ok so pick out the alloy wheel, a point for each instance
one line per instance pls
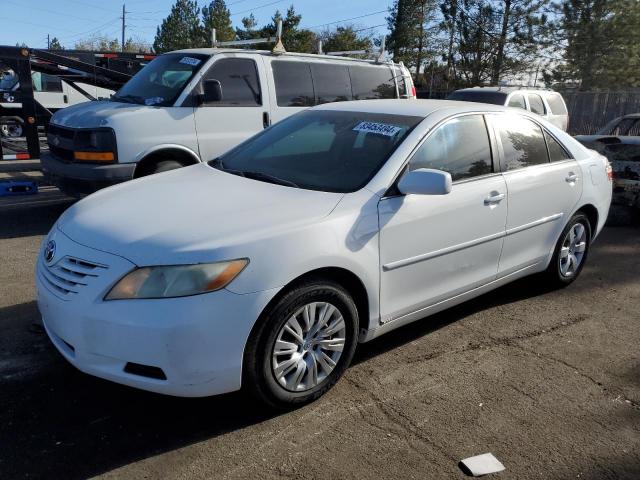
(308, 346)
(573, 249)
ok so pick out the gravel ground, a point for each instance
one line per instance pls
(548, 381)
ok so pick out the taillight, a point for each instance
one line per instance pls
(413, 91)
(609, 171)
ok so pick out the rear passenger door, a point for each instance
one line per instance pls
(243, 110)
(544, 184)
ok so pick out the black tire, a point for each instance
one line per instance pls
(553, 275)
(258, 376)
(165, 166)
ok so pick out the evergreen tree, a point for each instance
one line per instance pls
(217, 16)
(294, 38)
(181, 28)
(55, 44)
(250, 30)
(344, 38)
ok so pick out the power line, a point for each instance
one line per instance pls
(258, 7)
(348, 19)
(104, 25)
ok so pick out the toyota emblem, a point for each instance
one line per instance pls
(50, 251)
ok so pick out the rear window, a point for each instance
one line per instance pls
(479, 96)
(372, 82)
(556, 103)
(536, 104)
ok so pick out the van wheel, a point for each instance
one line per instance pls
(570, 253)
(11, 130)
(303, 344)
(165, 166)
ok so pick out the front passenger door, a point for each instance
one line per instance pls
(435, 247)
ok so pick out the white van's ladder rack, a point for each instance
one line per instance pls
(278, 48)
(379, 54)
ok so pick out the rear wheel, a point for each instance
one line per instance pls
(11, 130)
(571, 251)
(303, 345)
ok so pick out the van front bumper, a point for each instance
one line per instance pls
(188, 346)
(78, 179)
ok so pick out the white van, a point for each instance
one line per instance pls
(52, 92)
(546, 103)
(191, 106)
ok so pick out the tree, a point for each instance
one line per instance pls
(217, 16)
(414, 28)
(602, 44)
(344, 38)
(136, 45)
(250, 30)
(55, 44)
(98, 42)
(181, 28)
(294, 38)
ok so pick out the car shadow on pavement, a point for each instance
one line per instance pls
(30, 219)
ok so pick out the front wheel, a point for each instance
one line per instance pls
(303, 344)
(571, 252)
(165, 166)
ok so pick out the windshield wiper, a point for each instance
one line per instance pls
(265, 177)
(128, 99)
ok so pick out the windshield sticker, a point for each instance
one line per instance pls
(379, 128)
(153, 100)
(190, 61)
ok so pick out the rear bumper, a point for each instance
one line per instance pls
(79, 179)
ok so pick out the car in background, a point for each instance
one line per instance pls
(619, 141)
(190, 106)
(265, 267)
(548, 104)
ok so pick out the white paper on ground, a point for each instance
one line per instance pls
(482, 464)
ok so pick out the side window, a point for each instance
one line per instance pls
(556, 103)
(634, 129)
(536, 103)
(43, 82)
(460, 147)
(522, 142)
(556, 151)
(294, 86)
(331, 82)
(239, 80)
(371, 82)
(517, 101)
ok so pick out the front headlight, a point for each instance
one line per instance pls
(95, 145)
(177, 280)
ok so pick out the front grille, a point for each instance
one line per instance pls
(69, 275)
(62, 153)
(60, 140)
(63, 132)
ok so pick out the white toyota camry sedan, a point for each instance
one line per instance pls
(264, 268)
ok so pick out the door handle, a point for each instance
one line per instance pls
(572, 178)
(266, 121)
(493, 198)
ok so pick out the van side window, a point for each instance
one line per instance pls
(557, 152)
(43, 82)
(556, 103)
(372, 82)
(522, 142)
(536, 103)
(239, 80)
(517, 101)
(294, 86)
(331, 82)
(449, 148)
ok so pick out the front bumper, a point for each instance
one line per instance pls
(79, 179)
(198, 342)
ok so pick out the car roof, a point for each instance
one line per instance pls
(505, 89)
(416, 108)
(212, 51)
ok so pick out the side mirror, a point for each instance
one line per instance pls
(425, 181)
(211, 91)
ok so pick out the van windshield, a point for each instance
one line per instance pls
(161, 81)
(331, 151)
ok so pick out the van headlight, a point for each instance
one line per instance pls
(176, 280)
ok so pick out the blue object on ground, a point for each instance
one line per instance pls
(18, 188)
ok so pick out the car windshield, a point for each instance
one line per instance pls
(161, 81)
(332, 151)
(479, 96)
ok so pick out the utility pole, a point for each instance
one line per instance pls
(123, 26)
(48, 42)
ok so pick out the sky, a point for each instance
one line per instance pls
(29, 21)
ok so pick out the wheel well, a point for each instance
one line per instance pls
(592, 214)
(148, 163)
(345, 278)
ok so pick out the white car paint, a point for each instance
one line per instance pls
(414, 254)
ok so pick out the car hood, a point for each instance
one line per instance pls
(190, 215)
(93, 114)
